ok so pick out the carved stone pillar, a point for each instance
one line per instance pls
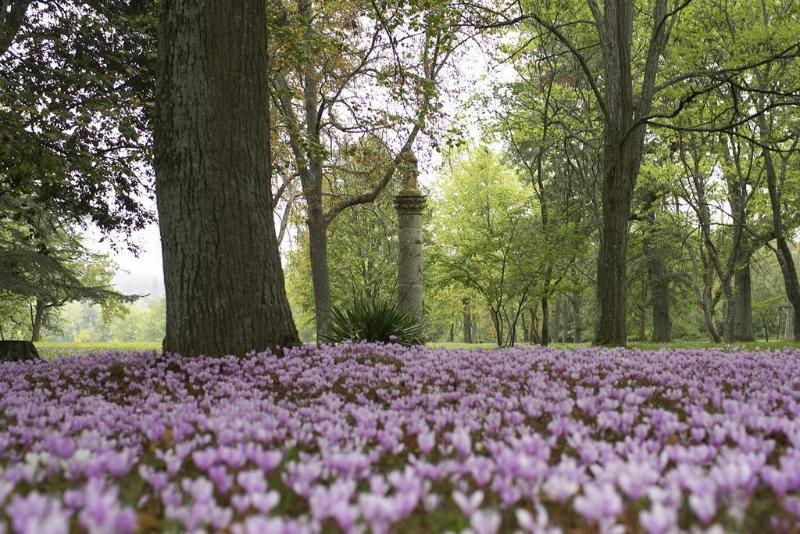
(410, 205)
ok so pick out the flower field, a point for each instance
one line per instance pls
(388, 439)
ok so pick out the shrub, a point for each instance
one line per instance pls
(374, 320)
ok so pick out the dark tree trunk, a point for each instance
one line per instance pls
(783, 253)
(623, 142)
(612, 256)
(467, 315)
(17, 351)
(38, 318)
(656, 275)
(743, 316)
(545, 338)
(556, 320)
(498, 326)
(642, 324)
(534, 326)
(223, 276)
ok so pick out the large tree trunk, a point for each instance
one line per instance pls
(223, 276)
(623, 141)
(612, 256)
(17, 351)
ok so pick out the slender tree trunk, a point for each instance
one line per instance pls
(782, 251)
(467, 321)
(545, 338)
(657, 275)
(576, 309)
(223, 276)
(642, 324)
(38, 317)
(320, 276)
(743, 317)
(557, 319)
(534, 336)
(498, 327)
(526, 336)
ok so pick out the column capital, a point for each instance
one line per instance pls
(408, 202)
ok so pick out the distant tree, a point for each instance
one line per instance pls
(345, 70)
(481, 227)
(223, 276)
(44, 270)
(362, 241)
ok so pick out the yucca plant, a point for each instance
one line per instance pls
(376, 320)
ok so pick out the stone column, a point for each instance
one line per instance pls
(410, 205)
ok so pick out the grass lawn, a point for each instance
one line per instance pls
(52, 349)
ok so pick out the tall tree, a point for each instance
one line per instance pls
(223, 276)
(779, 147)
(344, 70)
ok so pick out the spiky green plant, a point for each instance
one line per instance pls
(374, 320)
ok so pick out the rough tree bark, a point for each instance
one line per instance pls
(224, 281)
(18, 351)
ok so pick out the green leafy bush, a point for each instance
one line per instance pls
(374, 320)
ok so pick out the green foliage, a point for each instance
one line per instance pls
(370, 319)
(483, 240)
(83, 322)
(76, 84)
(362, 240)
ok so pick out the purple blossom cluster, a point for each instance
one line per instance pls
(380, 438)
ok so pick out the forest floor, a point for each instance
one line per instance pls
(403, 439)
